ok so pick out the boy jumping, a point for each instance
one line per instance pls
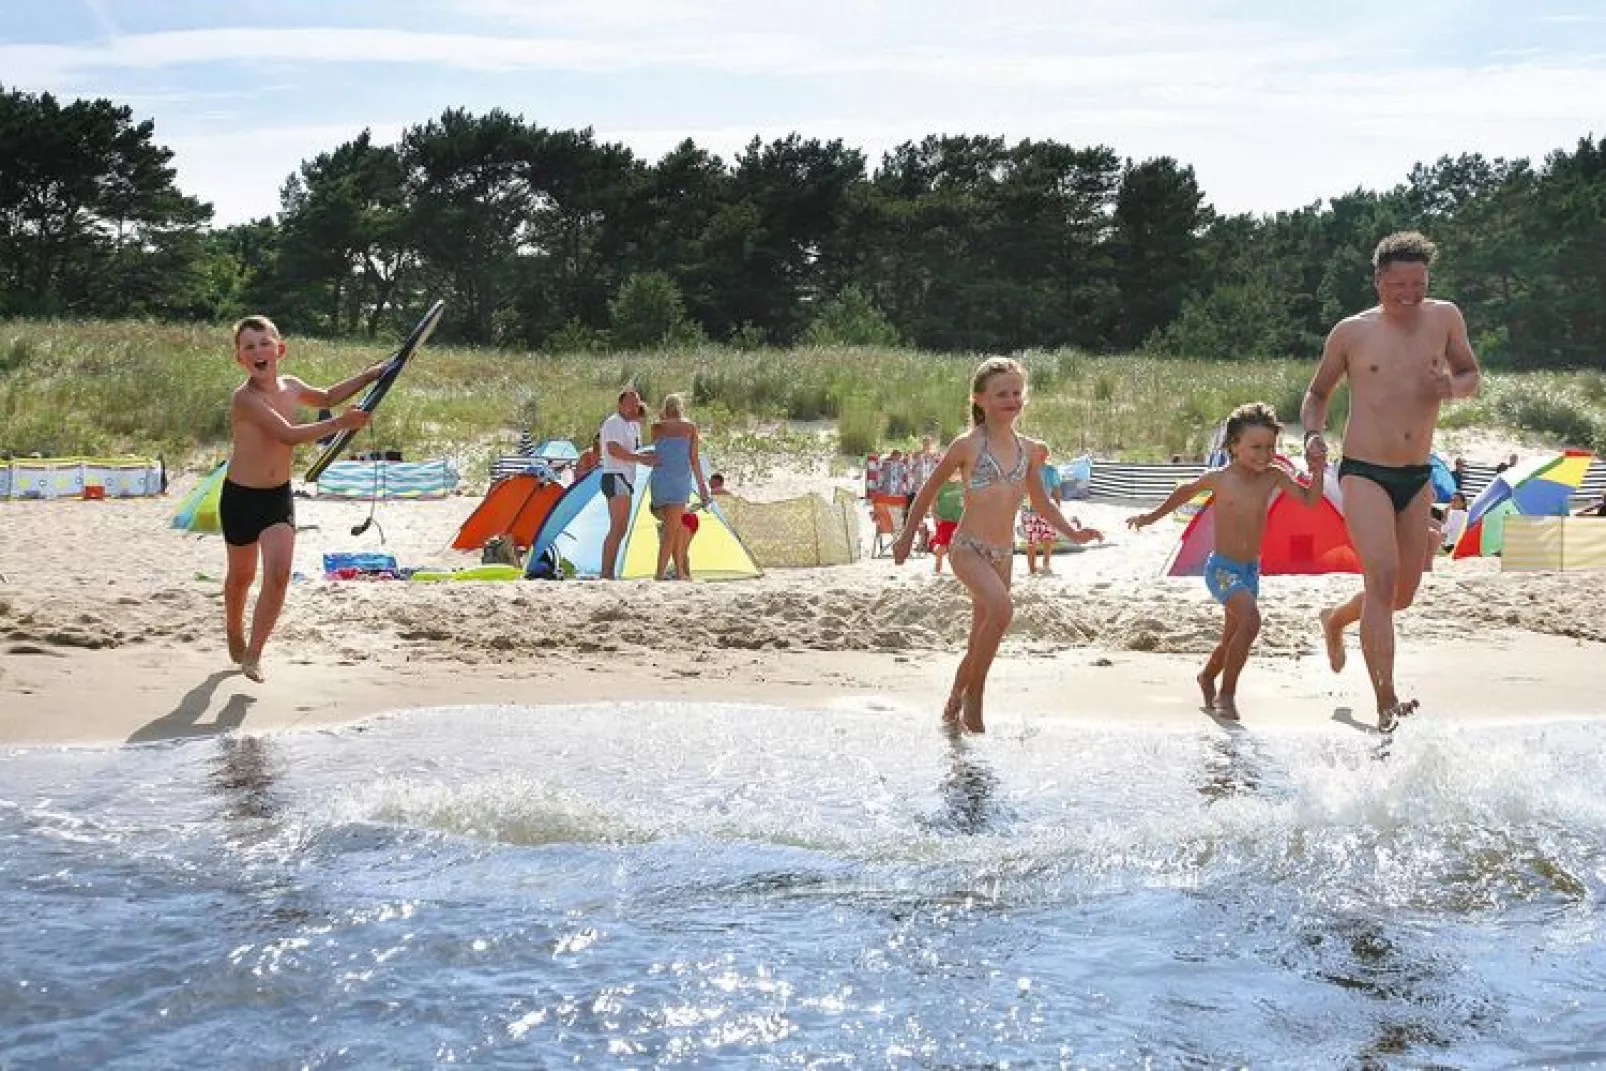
(1240, 492)
(255, 507)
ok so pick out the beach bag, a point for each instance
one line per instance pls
(500, 550)
(549, 566)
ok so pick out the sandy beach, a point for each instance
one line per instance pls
(111, 632)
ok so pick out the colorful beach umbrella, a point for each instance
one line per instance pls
(1539, 487)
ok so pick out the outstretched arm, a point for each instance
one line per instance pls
(328, 397)
(1183, 493)
(255, 410)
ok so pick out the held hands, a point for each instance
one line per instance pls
(1315, 451)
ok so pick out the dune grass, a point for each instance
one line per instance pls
(99, 388)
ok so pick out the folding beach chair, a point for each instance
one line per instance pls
(887, 511)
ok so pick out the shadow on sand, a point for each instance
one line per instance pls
(184, 721)
(1346, 716)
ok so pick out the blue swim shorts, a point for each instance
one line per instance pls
(1225, 577)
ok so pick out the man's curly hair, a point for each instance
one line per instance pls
(1404, 247)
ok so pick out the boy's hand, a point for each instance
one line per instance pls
(1088, 535)
(352, 419)
(1137, 522)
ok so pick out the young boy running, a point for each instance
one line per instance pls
(255, 507)
(1240, 492)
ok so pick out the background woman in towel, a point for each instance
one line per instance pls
(675, 440)
(1000, 468)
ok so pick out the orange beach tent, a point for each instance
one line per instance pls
(515, 506)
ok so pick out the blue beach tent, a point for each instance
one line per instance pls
(578, 523)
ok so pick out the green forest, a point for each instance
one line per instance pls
(549, 240)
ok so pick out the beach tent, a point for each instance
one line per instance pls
(555, 452)
(1075, 477)
(435, 478)
(1538, 487)
(794, 532)
(198, 511)
(578, 522)
(1553, 543)
(516, 506)
(1298, 540)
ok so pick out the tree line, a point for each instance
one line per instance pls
(551, 239)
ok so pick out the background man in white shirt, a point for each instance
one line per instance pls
(621, 453)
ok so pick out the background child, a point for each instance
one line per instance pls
(255, 507)
(949, 508)
(1240, 492)
(999, 468)
(1038, 533)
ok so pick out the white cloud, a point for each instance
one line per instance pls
(1272, 112)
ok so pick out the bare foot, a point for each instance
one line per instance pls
(1389, 717)
(236, 648)
(972, 716)
(1207, 688)
(252, 668)
(1335, 641)
(1226, 707)
(950, 709)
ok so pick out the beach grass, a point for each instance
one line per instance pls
(147, 388)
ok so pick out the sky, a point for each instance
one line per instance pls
(1275, 104)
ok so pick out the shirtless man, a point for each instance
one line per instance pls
(1403, 358)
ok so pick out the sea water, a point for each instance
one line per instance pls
(676, 884)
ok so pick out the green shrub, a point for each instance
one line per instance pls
(850, 319)
(576, 337)
(1558, 415)
(648, 312)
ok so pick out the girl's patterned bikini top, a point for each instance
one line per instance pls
(988, 472)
